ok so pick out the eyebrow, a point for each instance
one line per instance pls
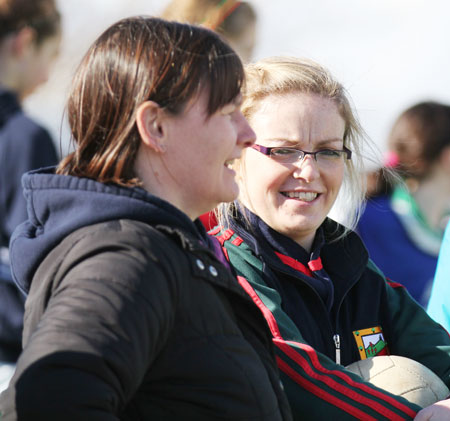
(296, 142)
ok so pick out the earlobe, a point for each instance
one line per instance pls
(23, 41)
(445, 158)
(148, 120)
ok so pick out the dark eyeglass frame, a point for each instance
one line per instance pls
(267, 151)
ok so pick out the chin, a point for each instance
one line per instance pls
(300, 224)
(230, 193)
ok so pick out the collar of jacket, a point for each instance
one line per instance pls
(59, 205)
(9, 105)
(344, 260)
(204, 262)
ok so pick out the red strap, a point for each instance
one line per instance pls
(394, 284)
(225, 252)
(225, 236)
(295, 264)
(315, 264)
(237, 241)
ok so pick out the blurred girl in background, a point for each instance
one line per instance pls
(403, 223)
(30, 33)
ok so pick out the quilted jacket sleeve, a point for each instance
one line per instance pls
(108, 309)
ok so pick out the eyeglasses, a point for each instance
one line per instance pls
(324, 157)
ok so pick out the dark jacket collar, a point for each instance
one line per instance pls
(9, 105)
(58, 205)
(344, 260)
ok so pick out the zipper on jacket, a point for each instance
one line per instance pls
(336, 337)
(337, 344)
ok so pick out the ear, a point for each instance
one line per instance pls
(149, 117)
(23, 40)
(444, 159)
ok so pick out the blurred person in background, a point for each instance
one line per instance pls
(439, 303)
(234, 20)
(326, 302)
(131, 313)
(403, 223)
(30, 35)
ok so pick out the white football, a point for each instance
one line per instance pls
(402, 376)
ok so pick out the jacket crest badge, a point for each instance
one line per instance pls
(370, 342)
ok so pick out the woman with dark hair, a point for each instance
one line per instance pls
(130, 313)
(30, 33)
(403, 223)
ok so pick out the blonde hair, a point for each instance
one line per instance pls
(282, 75)
(231, 19)
(228, 17)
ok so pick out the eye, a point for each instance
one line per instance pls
(284, 152)
(329, 153)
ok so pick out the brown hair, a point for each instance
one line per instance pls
(41, 15)
(135, 60)
(430, 122)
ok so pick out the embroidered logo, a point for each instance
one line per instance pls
(371, 342)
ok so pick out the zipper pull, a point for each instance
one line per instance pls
(337, 344)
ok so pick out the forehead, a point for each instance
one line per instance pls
(404, 130)
(297, 117)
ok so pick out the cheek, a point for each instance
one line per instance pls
(334, 181)
(273, 178)
(263, 180)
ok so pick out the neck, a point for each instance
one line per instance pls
(8, 80)
(433, 197)
(159, 182)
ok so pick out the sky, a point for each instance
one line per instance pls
(389, 54)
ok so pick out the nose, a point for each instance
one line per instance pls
(306, 168)
(246, 135)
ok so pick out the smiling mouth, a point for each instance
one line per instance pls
(229, 163)
(303, 196)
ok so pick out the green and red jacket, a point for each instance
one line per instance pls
(371, 316)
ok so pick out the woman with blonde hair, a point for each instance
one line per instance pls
(326, 303)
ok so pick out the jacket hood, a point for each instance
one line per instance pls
(57, 205)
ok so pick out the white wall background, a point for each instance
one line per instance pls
(388, 53)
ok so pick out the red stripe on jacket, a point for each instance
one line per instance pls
(302, 381)
(394, 284)
(294, 264)
(294, 355)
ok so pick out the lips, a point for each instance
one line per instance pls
(229, 163)
(301, 195)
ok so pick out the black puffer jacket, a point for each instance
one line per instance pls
(132, 317)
